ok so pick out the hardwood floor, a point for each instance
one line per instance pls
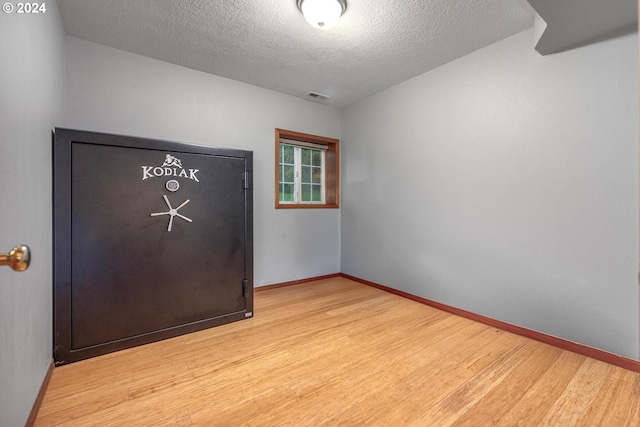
(338, 353)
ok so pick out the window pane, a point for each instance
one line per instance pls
(306, 174)
(306, 156)
(286, 155)
(306, 192)
(286, 192)
(317, 193)
(289, 172)
(308, 163)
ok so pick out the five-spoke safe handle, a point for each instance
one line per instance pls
(18, 258)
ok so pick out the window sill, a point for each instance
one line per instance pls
(306, 206)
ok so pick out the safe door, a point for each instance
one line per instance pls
(152, 239)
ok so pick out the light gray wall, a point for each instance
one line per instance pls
(113, 91)
(31, 100)
(505, 183)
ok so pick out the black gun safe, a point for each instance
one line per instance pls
(152, 239)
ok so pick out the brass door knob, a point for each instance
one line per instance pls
(18, 258)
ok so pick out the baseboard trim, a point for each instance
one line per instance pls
(295, 282)
(584, 350)
(43, 388)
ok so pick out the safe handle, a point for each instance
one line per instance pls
(18, 258)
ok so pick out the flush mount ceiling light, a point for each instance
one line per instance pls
(322, 13)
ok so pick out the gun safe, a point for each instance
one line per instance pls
(152, 239)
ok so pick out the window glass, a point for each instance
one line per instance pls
(316, 193)
(306, 156)
(286, 193)
(300, 178)
(287, 173)
(286, 154)
(306, 174)
(306, 192)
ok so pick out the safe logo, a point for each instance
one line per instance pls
(172, 161)
(172, 166)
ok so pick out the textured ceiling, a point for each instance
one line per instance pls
(375, 45)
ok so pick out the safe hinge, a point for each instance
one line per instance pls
(245, 180)
(245, 284)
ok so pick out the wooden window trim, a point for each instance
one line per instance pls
(332, 170)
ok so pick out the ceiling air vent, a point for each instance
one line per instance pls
(315, 96)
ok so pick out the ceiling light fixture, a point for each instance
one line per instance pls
(322, 13)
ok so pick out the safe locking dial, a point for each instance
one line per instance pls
(172, 212)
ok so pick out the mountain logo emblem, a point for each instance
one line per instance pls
(172, 161)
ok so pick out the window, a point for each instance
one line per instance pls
(306, 170)
(306, 164)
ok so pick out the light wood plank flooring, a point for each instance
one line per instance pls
(338, 353)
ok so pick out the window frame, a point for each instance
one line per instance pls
(331, 170)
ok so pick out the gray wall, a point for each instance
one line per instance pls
(31, 100)
(109, 90)
(505, 183)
